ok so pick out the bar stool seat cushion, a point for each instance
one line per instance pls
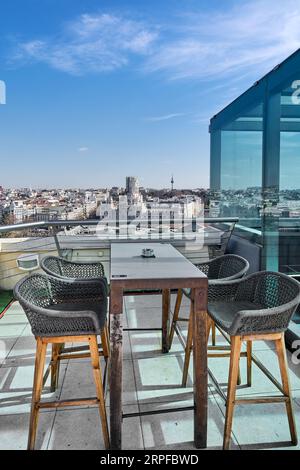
(262, 303)
(97, 308)
(225, 314)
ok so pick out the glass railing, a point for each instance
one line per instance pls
(86, 240)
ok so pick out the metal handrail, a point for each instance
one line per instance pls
(223, 224)
(90, 222)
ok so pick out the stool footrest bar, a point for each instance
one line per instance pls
(77, 349)
(76, 356)
(157, 412)
(246, 401)
(73, 402)
(142, 329)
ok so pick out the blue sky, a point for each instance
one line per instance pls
(101, 89)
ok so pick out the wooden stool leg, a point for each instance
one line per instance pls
(188, 349)
(249, 363)
(209, 325)
(213, 333)
(239, 379)
(166, 300)
(107, 334)
(37, 390)
(105, 342)
(283, 364)
(106, 353)
(236, 343)
(99, 387)
(56, 349)
(175, 316)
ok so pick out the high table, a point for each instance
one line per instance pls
(168, 270)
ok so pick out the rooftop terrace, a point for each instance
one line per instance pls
(150, 380)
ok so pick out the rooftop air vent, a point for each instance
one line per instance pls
(28, 262)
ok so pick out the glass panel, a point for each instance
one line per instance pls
(289, 201)
(256, 168)
(241, 167)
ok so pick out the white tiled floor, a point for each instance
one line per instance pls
(150, 381)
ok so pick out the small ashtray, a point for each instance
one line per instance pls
(148, 253)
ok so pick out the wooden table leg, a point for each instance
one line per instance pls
(200, 366)
(116, 365)
(166, 300)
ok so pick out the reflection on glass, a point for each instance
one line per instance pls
(241, 157)
(289, 201)
(255, 165)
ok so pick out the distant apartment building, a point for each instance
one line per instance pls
(132, 189)
(89, 197)
(102, 196)
(43, 214)
(17, 211)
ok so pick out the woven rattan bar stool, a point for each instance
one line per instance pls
(218, 270)
(256, 308)
(59, 312)
(64, 269)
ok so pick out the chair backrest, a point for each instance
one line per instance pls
(276, 296)
(233, 266)
(52, 265)
(274, 289)
(62, 268)
(38, 294)
(33, 290)
(227, 267)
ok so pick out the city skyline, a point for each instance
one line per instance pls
(101, 90)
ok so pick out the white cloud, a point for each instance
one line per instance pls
(83, 149)
(92, 43)
(165, 117)
(251, 37)
(228, 43)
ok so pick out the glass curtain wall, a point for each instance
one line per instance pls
(289, 177)
(241, 156)
(255, 164)
(255, 168)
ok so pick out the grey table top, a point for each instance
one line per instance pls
(127, 263)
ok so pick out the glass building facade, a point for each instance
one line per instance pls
(255, 168)
(255, 165)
